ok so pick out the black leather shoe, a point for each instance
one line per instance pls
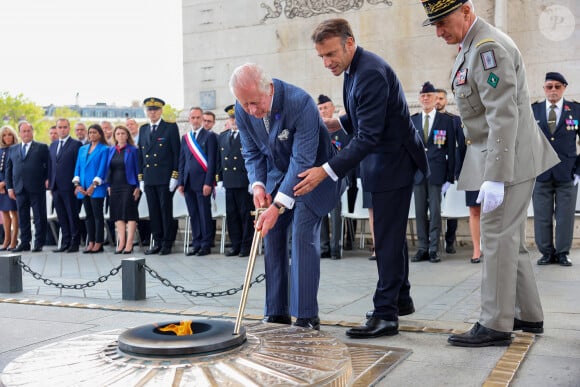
(61, 249)
(37, 249)
(278, 319)
(203, 251)
(72, 249)
(153, 250)
(434, 257)
(404, 310)
(480, 336)
(546, 260)
(193, 251)
(450, 249)
(21, 247)
(374, 327)
(421, 255)
(335, 257)
(326, 254)
(165, 251)
(528, 326)
(310, 323)
(244, 253)
(563, 260)
(231, 253)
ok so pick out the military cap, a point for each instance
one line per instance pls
(323, 99)
(427, 88)
(230, 110)
(556, 77)
(153, 103)
(438, 9)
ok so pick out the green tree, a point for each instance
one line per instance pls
(18, 108)
(170, 114)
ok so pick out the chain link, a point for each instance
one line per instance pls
(195, 293)
(114, 271)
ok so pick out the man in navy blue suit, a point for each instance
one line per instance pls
(61, 170)
(389, 151)
(197, 167)
(438, 131)
(282, 135)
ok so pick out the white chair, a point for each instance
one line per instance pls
(143, 210)
(218, 210)
(453, 206)
(412, 217)
(359, 212)
(180, 211)
(52, 219)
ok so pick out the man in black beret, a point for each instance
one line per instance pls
(555, 190)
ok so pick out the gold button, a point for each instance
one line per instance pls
(154, 154)
(146, 156)
(225, 158)
(225, 169)
(468, 142)
(552, 138)
(155, 165)
(235, 157)
(234, 168)
(147, 166)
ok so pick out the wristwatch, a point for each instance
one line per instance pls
(280, 208)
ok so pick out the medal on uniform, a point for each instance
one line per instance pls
(461, 77)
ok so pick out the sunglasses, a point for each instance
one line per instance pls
(550, 87)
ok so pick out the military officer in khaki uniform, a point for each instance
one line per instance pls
(505, 153)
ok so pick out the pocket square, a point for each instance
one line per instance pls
(283, 136)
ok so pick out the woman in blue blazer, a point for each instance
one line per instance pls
(123, 169)
(89, 184)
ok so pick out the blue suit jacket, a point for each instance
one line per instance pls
(298, 140)
(29, 173)
(132, 166)
(92, 165)
(563, 140)
(61, 168)
(441, 148)
(384, 142)
(191, 175)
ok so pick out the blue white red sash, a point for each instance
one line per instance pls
(195, 150)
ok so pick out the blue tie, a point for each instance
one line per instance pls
(24, 150)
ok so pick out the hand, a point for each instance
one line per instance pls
(136, 193)
(180, 190)
(262, 199)
(267, 220)
(172, 184)
(332, 124)
(490, 195)
(11, 194)
(142, 186)
(207, 190)
(445, 187)
(310, 180)
(576, 179)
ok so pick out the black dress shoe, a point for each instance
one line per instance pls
(546, 259)
(165, 251)
(193, 251)
(326, 254)
(244, 253)
(480, 336)
(3, 248)
(310, 323)
(231, 253)
(37, 249)
(127, 252)
(61, 249)
(73, 249)
(421, 255)
(528, 326)
(21, 247)
(203, 251)
(374, 327)
(404, 309)
(450, 249)
(153, 250)
(475, 260)
(434, 257)
(335, 257)
(278, 319)
(563, 260)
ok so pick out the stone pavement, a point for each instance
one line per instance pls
(446, 297)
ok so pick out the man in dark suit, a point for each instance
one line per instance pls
(26, 175)
(556, 189)
(197, 167)
(438, 132)
(282, 135)
(232, 173)
(61, 170)
(389, 151)
(159, 146)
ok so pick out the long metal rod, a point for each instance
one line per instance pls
(249, 272)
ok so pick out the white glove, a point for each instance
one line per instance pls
(491, 194)
(445, 187)
(172, 184)
(142, 186)
(220, 185)
(576, 179)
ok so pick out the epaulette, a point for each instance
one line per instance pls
(487, 40)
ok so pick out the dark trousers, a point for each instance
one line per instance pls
(428, 215)
(37, 202)
(239, 206)
(94, 221)
(451, 231)
(391, 211)
(160, 204)
(67, 212)
(199, 209)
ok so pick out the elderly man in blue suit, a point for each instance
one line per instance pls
(282, 135)
(389, 151)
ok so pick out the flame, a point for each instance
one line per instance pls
(183, 329)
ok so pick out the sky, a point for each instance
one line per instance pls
(111, 51)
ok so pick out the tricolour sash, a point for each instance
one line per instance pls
(195, 150)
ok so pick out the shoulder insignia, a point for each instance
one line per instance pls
(483, 41)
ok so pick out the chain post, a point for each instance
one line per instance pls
(133, 278)
(10, 274)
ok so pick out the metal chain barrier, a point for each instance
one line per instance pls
(195, 293)
(114, 271)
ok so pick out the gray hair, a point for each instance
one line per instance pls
(248, 75)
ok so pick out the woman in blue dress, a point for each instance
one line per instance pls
(8, 137)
